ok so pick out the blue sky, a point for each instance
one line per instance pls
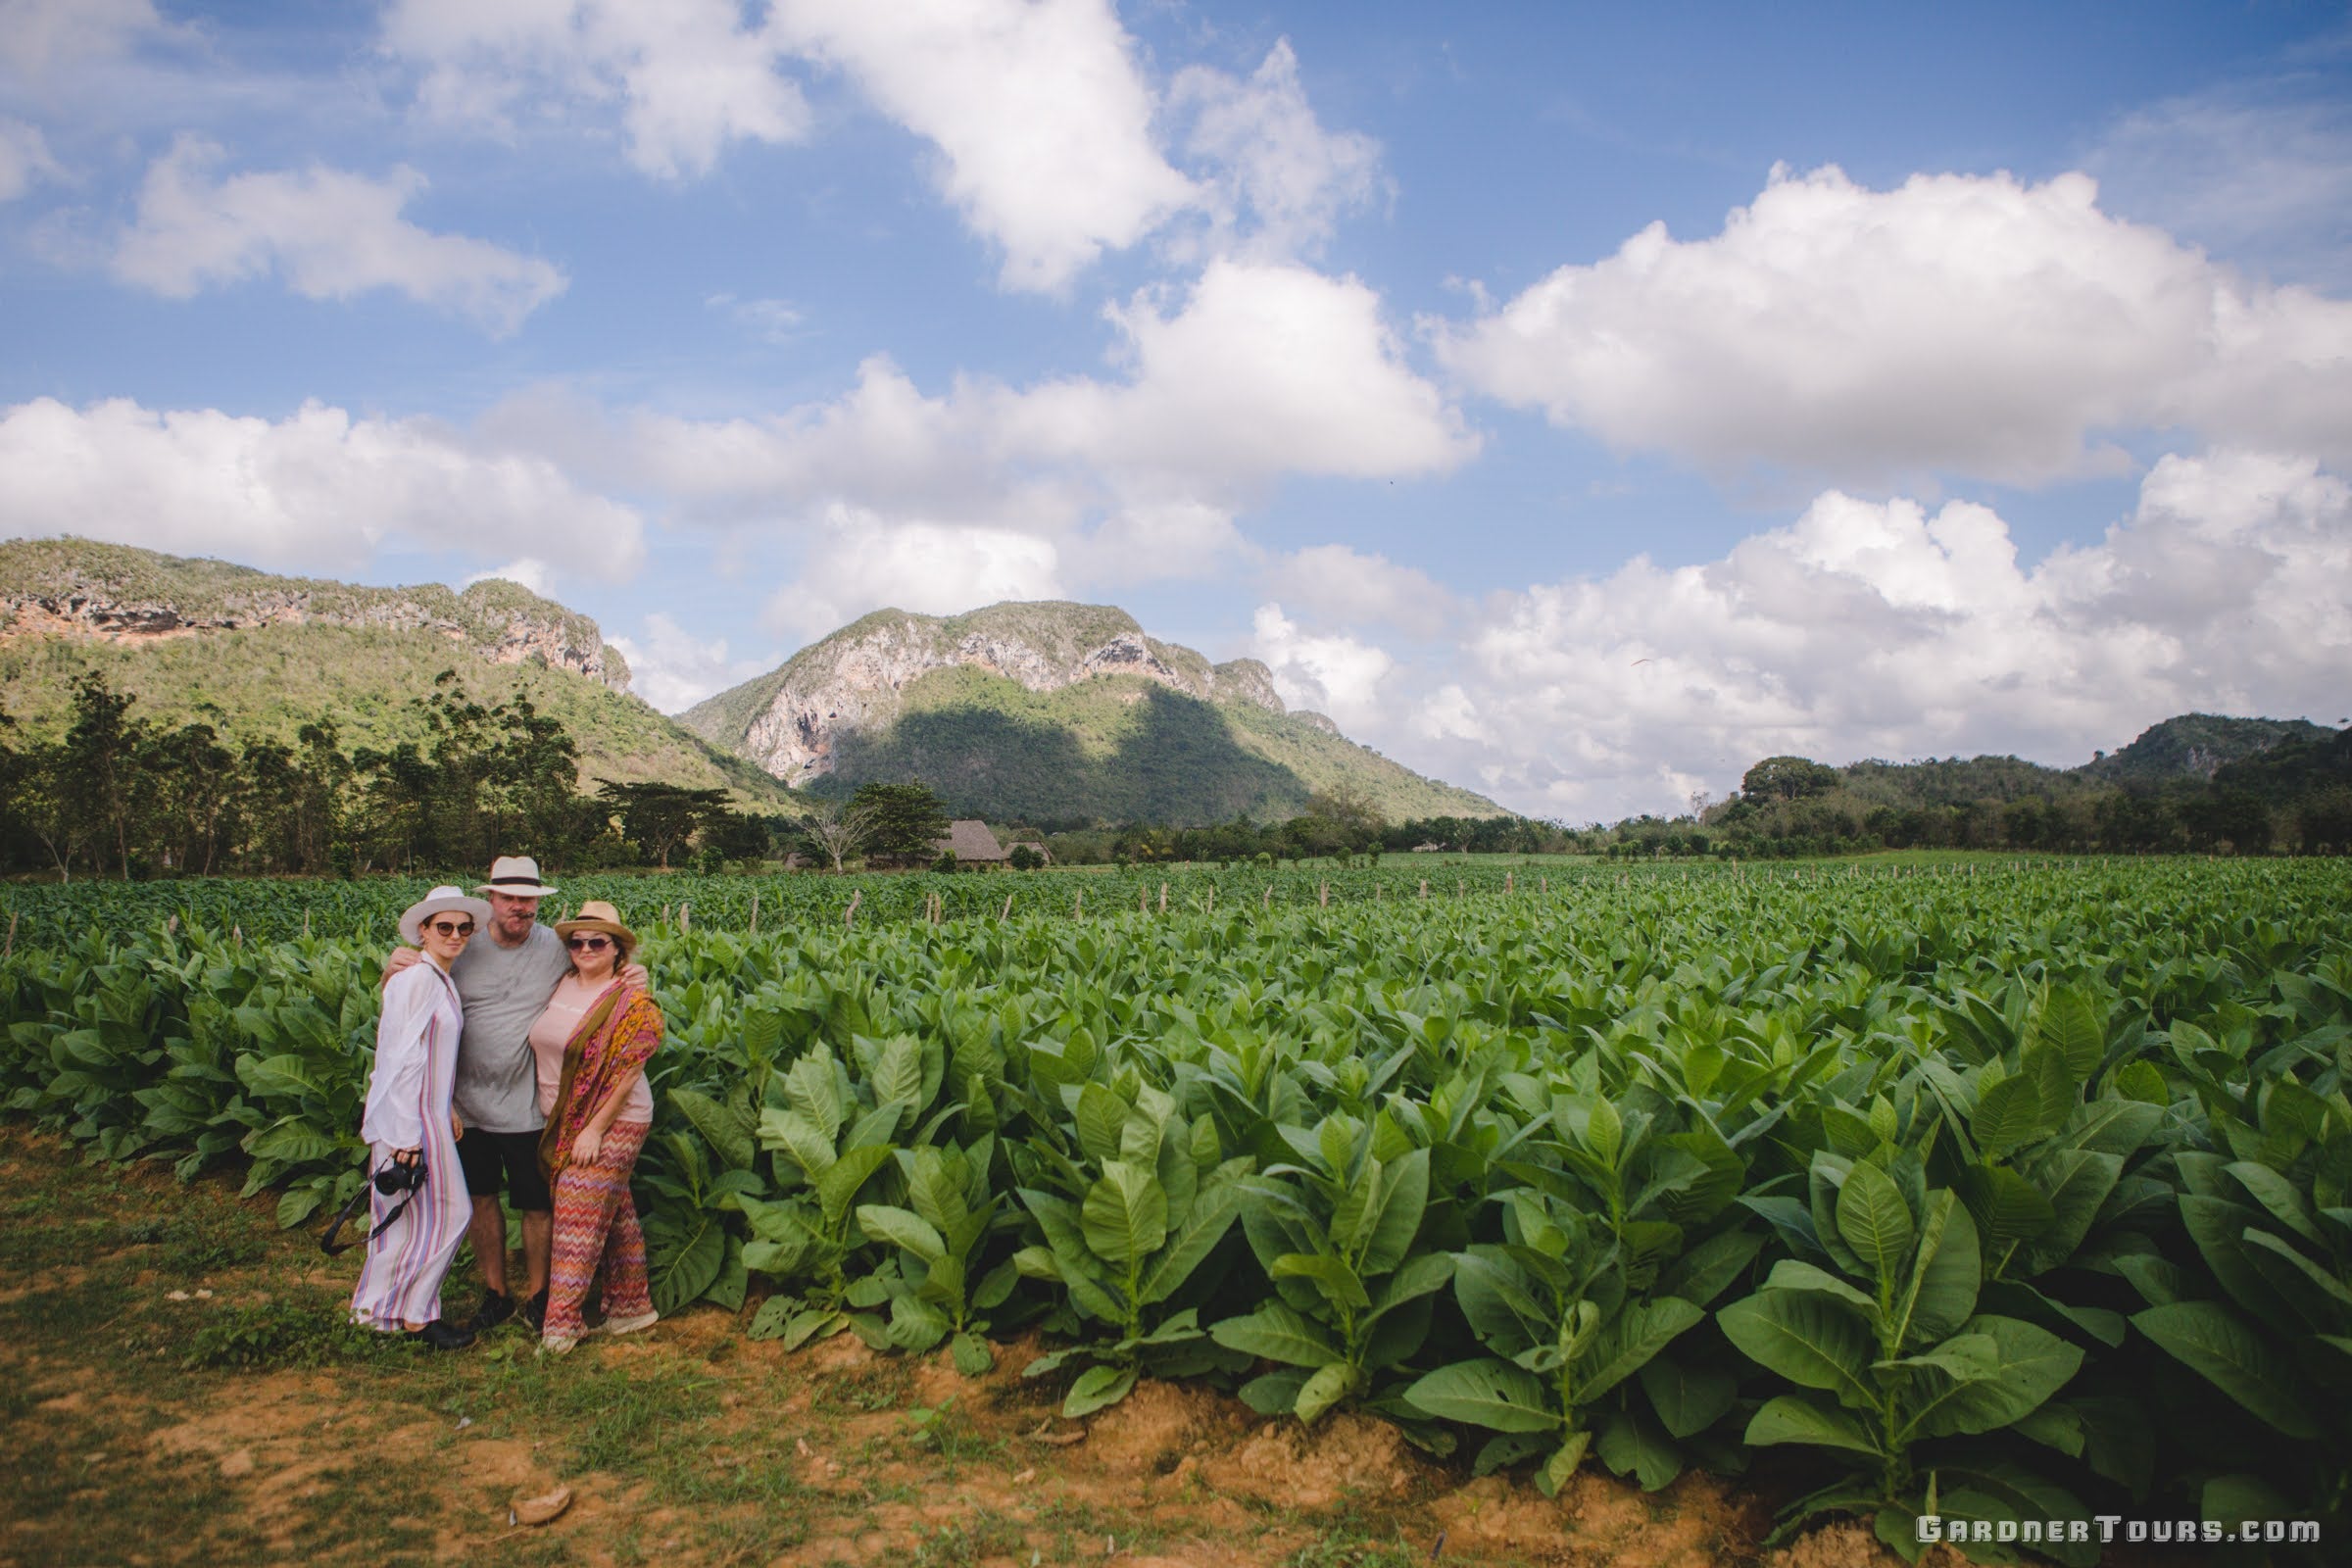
(1577, 403)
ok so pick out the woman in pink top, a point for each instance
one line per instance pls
(590, 1046)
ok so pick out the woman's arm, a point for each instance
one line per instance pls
(591, 1139)
(397, 1083)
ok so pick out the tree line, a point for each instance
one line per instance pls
(118, 794)
(2293, 798)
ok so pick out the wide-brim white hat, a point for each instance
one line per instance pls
(434, 903)
(514, 874)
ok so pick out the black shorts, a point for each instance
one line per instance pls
(507, 1162)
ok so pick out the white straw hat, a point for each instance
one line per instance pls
(434, 903)
(515, 874)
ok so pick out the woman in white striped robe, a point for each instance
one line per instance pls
(408, 1119)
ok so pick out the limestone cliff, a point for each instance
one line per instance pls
(789, 719)
(82, 590)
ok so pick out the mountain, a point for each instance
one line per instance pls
(2198, 746)
(259, 655)
(1051, 710)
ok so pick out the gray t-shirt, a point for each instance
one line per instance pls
(505, 990)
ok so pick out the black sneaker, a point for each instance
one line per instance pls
(441, 1335)
(495, 1309)
(534, 1312)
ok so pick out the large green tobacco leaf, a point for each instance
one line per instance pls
(1125, 1214)
(1792, 1418)
(1874, 1220)
(1486, 1393)
(2233, 1357)
(1813, 1342)
(2011, 1369)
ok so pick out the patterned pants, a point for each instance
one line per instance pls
(594, 1221)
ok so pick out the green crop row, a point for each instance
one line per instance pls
(265, 909)
(2013, 1196)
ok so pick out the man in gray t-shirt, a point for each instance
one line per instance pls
(504, 983)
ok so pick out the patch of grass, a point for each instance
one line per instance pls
(1349, 1547)
(1080, 1529)
(883, 1386)
(969, 1541)
(280, 1332)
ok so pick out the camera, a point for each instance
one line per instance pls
(399, 1178)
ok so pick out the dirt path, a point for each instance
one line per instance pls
(177, 1390)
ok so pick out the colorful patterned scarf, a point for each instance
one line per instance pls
(614, 1041)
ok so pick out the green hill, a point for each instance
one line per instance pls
(1046, 711)
(2198, 746)
(258, 656)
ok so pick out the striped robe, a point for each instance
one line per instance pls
(408, 1106)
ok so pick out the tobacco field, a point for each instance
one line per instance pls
(1998, 1190)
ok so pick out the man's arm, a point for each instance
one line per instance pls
(397, 960)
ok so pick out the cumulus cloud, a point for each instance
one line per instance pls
(319, 491)
(1880, 628)
(329, 233)
(1335, 674)
(23, 159)
(1259, 371)
(1347, 586)
(1278, 182)
(861, 563)
(673, 670)
(1265, 369)
(37, 36)
(688, 76)
(528, 570)
(1957, 324)
(1041, 120)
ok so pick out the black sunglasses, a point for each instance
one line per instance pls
(451, 928)
(587, 944)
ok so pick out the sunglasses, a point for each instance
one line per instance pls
(588, 944)
(451, 928)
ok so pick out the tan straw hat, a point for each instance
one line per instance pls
(440, 900)
(597, 915)
(516, 875)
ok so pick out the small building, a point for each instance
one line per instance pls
(971, 843)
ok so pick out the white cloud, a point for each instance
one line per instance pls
(688, 76)
(1879, 630)
(331, 235)
(673, 670)
(1271, 161)
(1263, 371)
(23, 159)
(319, 491)
(37, 36)
(1041, 120)
(1343, 586)
(528, 570)
(1266, 369)
(1336, 675)
(863, 564)
(1957, 324)
(775, 320)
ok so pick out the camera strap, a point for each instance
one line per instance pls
(332, 1248)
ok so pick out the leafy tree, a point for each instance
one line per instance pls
(1788, 779)
(663, 816)
(907, 818)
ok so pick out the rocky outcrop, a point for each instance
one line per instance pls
(788, 722)
(115, 593)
